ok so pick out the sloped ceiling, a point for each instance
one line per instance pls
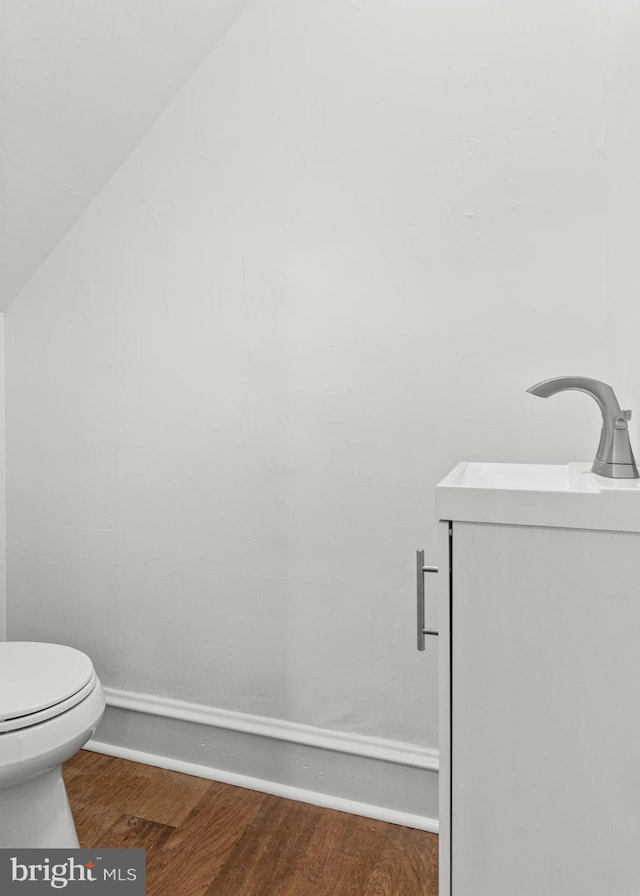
(81, 82)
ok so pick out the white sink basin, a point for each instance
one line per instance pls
(560, 495)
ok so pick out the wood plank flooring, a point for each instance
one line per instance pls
(209, 839)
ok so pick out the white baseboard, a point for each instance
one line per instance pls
(377, 778)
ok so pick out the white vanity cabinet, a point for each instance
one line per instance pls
(539, 591)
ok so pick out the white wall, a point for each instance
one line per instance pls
(3, 501)
(81, 84)
(621, 75)
(326, 275)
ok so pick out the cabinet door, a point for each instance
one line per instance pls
(545, 712)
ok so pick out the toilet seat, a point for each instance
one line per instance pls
(39, 681)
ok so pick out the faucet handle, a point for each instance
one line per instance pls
(622, 419)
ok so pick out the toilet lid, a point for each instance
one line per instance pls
(35, 676)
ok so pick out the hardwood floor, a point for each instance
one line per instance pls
(209, 839)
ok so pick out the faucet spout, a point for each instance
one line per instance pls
(614, 457)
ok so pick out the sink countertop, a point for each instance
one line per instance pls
(555, 495)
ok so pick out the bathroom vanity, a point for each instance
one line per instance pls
(539, 636)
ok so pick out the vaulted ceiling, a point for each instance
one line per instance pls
(81, 82)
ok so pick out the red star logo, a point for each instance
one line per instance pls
(90, 864)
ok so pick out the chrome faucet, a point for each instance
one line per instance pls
(614, 457)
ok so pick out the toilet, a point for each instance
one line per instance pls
(51, 702)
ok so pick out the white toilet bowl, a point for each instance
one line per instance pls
(51, 702)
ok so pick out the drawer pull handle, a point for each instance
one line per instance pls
(420, 571)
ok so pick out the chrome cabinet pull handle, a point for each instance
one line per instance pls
(420, 571)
